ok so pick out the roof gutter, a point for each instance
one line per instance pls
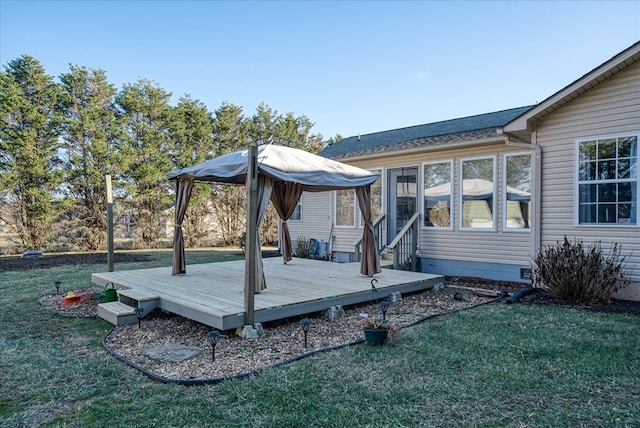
(513, 141)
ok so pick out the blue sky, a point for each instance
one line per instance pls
(351, 67)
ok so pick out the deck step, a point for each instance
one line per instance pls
(138, 298)
(117, 313)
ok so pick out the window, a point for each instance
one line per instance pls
(478, 190)
(438, 194)
(376, 198)
(345, 207)
(608, 181)
(297, 212)
(517, 193)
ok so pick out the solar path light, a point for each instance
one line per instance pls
(305, 323)
(214, 336)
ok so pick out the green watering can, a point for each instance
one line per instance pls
(109, 292)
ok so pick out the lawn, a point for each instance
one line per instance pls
(496, 365)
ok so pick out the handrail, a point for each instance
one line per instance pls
(405, 246)
(377, 233)
(404, 231)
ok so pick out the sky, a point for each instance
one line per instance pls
(351, 67)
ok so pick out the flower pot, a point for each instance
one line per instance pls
(376, 336)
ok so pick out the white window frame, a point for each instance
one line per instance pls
(461, 193)
(335, 210)
(504, 191)
(577, 181)
(379, 171)
(452, 209)
(299, 208)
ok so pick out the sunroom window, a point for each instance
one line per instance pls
(437, 194)
(345, 207)
(297, 212)
(517, 194)
(478, 191)
(608, 181)
(376, 199)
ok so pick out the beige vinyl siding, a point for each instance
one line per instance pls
(611, 109)
(316, 219)
(491, 246)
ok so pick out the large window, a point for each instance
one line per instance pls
(345, 207)
(438, 194)
(517, 192)
(608, 181)
(297, 212)
(376, 198)
(478, 191)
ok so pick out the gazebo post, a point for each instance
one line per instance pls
(251, 271)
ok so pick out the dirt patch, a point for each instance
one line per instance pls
(8, 264)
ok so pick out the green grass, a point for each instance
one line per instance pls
(494, 366)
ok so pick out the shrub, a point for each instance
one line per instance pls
(301, 248)
(572, 272)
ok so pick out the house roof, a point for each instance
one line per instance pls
(522, 124)
(454, 131)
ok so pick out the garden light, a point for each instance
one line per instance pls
(384, 305)
(139, 312)
(305, 323)
(214, 335)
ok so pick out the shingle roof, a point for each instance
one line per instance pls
(428, 135)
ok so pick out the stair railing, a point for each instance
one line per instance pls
(378, 228)
(405, 246)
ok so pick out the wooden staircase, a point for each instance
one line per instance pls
(401, 253)
(123, 311)
(404, 246)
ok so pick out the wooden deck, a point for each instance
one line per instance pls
(213, 293)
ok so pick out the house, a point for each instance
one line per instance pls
(479, 196)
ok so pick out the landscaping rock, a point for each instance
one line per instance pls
(172, 354)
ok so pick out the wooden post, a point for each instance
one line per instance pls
(109, 224)
(251, 270)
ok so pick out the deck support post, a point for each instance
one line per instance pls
(251, 270)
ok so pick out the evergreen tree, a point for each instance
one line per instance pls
(30, 126)
(230, 130)
(145, 151)
(91, 134)
(191, 131)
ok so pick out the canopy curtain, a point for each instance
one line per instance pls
(285, 197)
(370, 263)
(265, 186)
(184, 187)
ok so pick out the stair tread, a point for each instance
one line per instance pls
(137, 294)
(117, 308)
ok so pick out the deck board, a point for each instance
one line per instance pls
(213, 293)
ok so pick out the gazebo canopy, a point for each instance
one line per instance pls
(315, 173)
(282, 174)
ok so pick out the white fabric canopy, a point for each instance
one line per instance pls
(281, 163)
